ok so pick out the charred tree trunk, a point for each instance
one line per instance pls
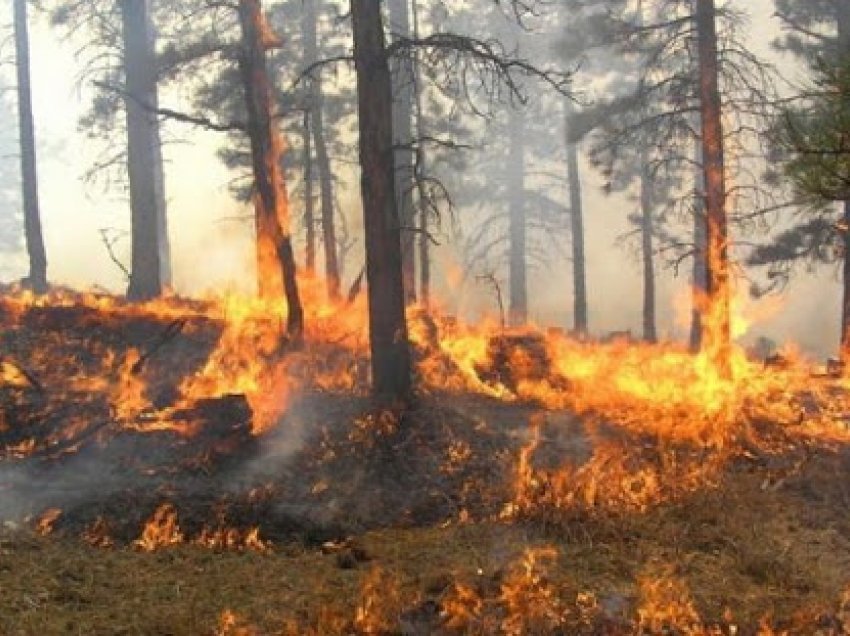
(402, 70)
(37, 278)
(717, 329)
(309, 212)
(323, 162)
(577, 235)
(270, 199)
(650, 333)
(151, 259)
(391, 365)
(515, 179)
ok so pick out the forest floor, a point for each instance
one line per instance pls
(459, 514)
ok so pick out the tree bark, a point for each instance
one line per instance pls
(271, 204)
(391, 365)
(37, 278)
(150, 268)
(421, 167)
(699, 231)
(323, 162)
(515, 179)
(650, 333)
(309, 212)
(716, 319)
(577, 234)
(402, 70)
(843, 24)
(845, 304)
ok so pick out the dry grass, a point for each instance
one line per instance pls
(738, 554)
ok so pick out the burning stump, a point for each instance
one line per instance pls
(512, 358)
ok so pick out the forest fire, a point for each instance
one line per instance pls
(659, 389)
(382, 416)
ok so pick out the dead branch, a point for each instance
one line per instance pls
(168, 113)
(109, 243)
(354, 290)
(490, 278)
(170, 332)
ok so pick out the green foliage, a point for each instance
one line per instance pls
(817, 136)
(810, 152)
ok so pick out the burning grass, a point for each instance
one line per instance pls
(729, 558)
(192, 472)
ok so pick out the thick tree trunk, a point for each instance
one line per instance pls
(37, 278)
(402, 70)
(391, 365)
(650, 333)
(577, 235)
(515, 179)
(151, 269)
(270, 199)
(323, 162)
(309, 211)
(717, 319)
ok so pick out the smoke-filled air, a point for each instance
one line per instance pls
(416, 317)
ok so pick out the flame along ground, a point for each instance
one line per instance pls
(659, 389)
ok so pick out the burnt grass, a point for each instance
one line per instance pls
(416, 492)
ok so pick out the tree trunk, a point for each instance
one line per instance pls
(309, 213)
(843, 24)
(391, 365)
(402, 70)
(151, 269)
(698, 269)
(333, 273)
(37, 278)
(577, 235)
(421, 167)
(271, 204)
(845, 305)
(716, 319)
(650, 333)
(515, 179)
(647, 229)
(323, 162)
